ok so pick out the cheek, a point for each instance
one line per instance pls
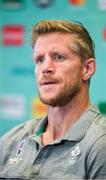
(36, 75)
(37, 72)
(73, 76)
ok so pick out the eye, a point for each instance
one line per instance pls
(39, 60)
(59, 57)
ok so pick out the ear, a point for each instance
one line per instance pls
(89, 68)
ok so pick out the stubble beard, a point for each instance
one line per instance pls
(63, 97)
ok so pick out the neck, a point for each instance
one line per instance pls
(60, 119)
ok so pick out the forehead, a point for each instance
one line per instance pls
(54, 39)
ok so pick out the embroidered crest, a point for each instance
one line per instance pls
(75, 152)
(20, 147)
(19, 151)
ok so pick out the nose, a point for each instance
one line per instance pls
(48, 66)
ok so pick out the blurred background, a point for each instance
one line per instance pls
(19, 100)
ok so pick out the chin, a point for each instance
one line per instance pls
(54, 102)
(49, 102)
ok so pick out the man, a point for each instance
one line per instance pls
(70, 142)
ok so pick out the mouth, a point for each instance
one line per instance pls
(48, 83)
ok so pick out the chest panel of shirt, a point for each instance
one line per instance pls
(51, 161)
(65, 159)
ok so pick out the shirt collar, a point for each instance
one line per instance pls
(79, 129)
(77, 132)
(41, 127)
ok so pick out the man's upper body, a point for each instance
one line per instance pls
(73, 139)
(79, 154)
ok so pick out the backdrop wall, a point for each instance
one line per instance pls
(18, 92)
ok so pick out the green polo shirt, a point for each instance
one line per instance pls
(80, 154)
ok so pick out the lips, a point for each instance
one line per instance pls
(48, 82)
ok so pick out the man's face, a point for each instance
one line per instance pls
(58, 69)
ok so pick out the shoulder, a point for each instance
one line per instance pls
(97, 133)
(11, 139)
(94, 145)
(96, 130)
(19, 132)
(96, 159)
(95, 137)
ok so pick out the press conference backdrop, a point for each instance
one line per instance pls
(19, 100)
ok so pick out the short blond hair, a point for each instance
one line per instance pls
(83, 43)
